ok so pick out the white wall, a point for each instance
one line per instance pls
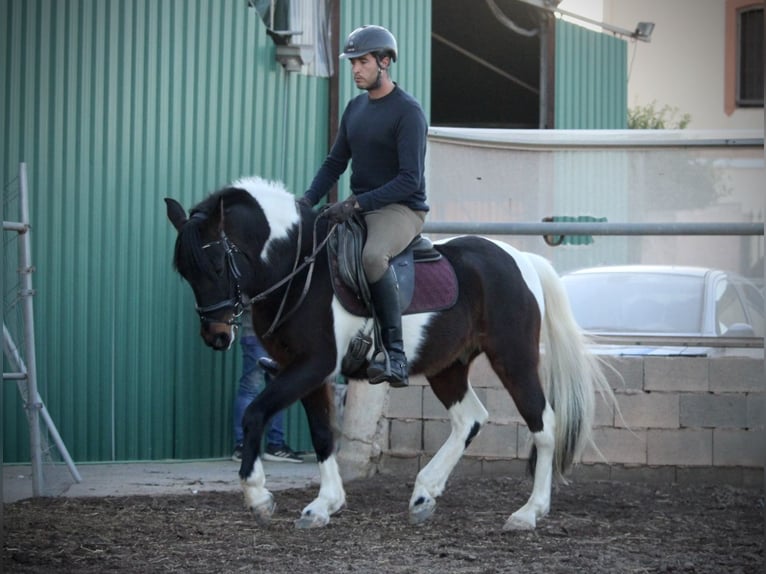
(683, 65)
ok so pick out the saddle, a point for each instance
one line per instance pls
(427, 281)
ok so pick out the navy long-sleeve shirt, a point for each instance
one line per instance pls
(385, 141)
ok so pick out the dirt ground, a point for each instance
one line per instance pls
(594, 527)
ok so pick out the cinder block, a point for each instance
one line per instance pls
(584, 472)
(482, 375)
(688, 447)
(756, 410)
(407, 466)
(495, 441)
(710, 475)
(738, 448)
(406, 403)
(501, 407)
(753, 478)
(432, 407)
(707, 410)
(604, 413)
(616, 446)
(648, 410)
(676, 373)
(625, 373)
(644, 474)
(499, 467)
(435, 433)
(406, 436)
(736, 374)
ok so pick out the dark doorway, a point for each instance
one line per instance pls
(483, 73)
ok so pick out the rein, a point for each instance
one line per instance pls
(239, 302)
(309, 261)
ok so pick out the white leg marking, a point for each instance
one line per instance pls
(432, 479)
(539, 502)
(331, 497)
(257, 497)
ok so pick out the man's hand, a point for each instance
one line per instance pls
(305, 201)
(342, 210)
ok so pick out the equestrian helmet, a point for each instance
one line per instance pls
(370, 40)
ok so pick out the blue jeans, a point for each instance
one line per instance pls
(252, 382)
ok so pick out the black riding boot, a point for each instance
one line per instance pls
(390, 366)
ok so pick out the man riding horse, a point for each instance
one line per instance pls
(383, 134)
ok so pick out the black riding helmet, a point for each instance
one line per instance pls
(370, 40)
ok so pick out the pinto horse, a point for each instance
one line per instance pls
(251, 243)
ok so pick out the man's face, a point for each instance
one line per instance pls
(365, 70)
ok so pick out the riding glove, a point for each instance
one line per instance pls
(305, 201)
(342, 210)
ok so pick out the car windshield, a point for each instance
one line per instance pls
(636, 302)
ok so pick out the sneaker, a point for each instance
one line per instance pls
(281, 453)
(236, 456)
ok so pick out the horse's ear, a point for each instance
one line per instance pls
(176, 213)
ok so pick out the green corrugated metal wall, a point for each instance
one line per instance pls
(115, 105)
(591, 90)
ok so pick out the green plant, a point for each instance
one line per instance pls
(650, 117)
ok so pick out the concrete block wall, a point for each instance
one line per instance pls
(680, 419)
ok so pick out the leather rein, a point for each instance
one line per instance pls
(239, 302)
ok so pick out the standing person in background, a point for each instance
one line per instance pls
(383, 135)
(252, 381)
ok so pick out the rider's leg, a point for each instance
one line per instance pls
(389, 231)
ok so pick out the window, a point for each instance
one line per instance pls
(744, 55)
(750, 57)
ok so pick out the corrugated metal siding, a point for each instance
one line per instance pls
(410, 23)
(591, 79)
(115, 105)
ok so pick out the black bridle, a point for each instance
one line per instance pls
(238, 302)
(235, 296)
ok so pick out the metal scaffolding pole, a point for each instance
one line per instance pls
(27, 371)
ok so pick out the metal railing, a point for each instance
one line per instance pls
(560, 229)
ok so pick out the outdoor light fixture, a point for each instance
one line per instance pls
(293, 56)
(643, 31)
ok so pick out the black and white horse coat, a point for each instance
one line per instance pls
(251, 241)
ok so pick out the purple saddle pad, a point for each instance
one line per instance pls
(436, 289)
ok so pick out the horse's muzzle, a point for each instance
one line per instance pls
(218, 339)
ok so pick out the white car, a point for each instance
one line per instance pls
(662, 301)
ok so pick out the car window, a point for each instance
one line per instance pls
(728, 307)
(754, 308)
(636, 302)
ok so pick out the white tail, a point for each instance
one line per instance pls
(569, 372)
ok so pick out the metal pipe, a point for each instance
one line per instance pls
(676, 341)
(592, 228)
(34, 405)
(15, 226)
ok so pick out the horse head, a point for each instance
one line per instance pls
(223, 247)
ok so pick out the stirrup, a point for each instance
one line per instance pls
(381, 372)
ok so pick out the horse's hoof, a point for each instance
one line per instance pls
(422, 510)
(263, 512)
(312, 520)
(516, 523)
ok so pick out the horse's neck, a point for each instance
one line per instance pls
(287, 257)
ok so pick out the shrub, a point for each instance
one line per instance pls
(650, 117)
